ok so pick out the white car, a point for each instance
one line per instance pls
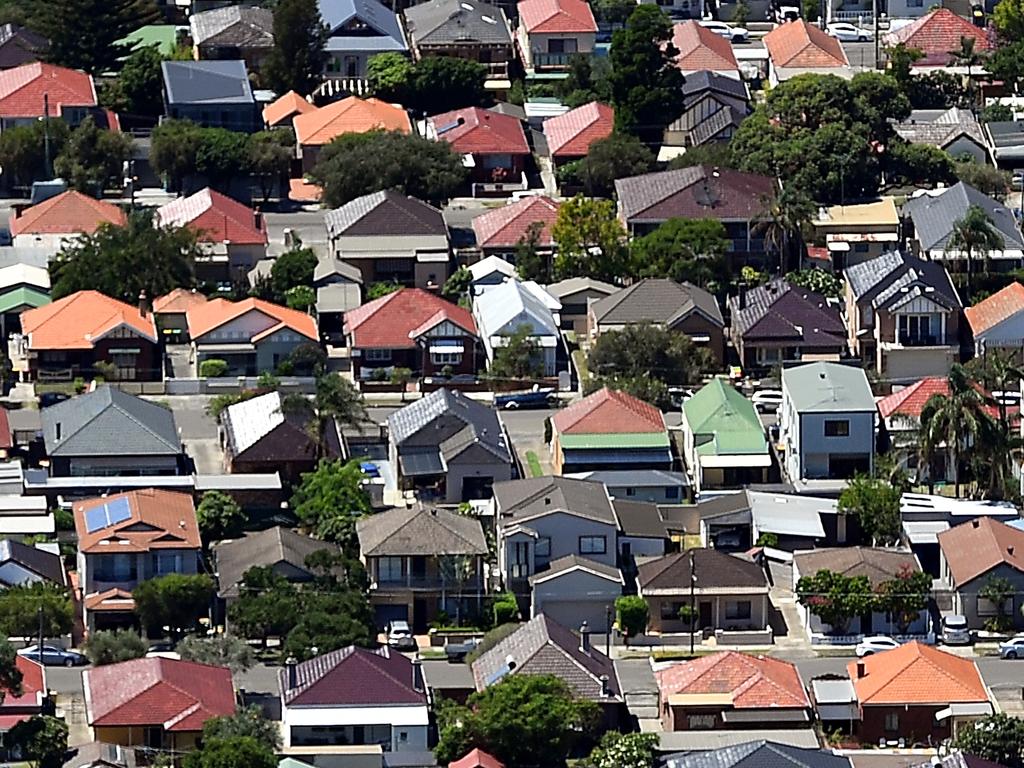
(1012, 648)
(767, 400)
(400, 636)
(875, 644)
(849, 33)
(729, 32)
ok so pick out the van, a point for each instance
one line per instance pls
(955, 630)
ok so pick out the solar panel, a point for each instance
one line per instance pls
(95, 519)
(497, 674)
(118, 511)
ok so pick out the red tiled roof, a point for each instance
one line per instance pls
(477, 758)
(216, 217)
(6, 439)
(571, 134)
(506, 226)
(302, 191)
(69, 213)
(910, 401)
(159, 520)
(608, 411)
(33, 687)
(175, 695)
(281, 111)
(996, 308)
(395, 320)
(178, 300)
(754, 682)
(700, 48)
(797, 44)
(556, 16)
(916, 673)
(80, 320)
(203, 318)
(110, 600)
(476, 131)
(937, 35)
(22, 90)
(354, 676)
(973, 548)
(351, 115)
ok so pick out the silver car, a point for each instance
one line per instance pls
(955, 630)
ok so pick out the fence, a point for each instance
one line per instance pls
(220, 386)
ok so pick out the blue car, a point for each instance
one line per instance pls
(52, 656)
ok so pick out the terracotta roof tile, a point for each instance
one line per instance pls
(571, 134)
(608, 411)
(351, 115)
(216, 217)
(33, 683)
(109, 600)
(69, 213)
(178, 300)
(797, 44)
(158, 520)
(996, 308)
(504, 227)
(203, 318)
(977, 546)
(80, 320)
(477, 758)
(392, 321)
(476, 131)
(281, 111)
(755, 682)
(302, 191)
(916, 673)
(910, 401)
(557, 16)
(22, 90)
(702, 49)
(937, 35)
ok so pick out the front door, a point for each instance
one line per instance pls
(704, 612)
(419, 615)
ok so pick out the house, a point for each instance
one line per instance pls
(88, 333)
(477, 758)
(339, 289)
(780, 322)
(570, 135)
(357, 31)
(932, 217)
(156, 703)
(645, 485)
(391, 238)
(32, 700)
(21, 565)
(664, 303)
(752, 754)
(827, 422)
(858, 232)
(997, 322)
(449, 446)
(514, 306)
(1006, 140)
(916, 692)
(231, 235)
(233, 32)
(728, 592)
(170, 312)
(282, 111)
(22, 287)
(955, 130)
(493, 145)
(703, 50)
(463, 29)
(31, 91)
(20, 45)
(878, 566)
(735, 522)
(421, 562)
(714, 105)
(576, 591)
(937, 36)
(550, 32)
(61, 219)
(645, 530)
(903, 314)
(109, 432)
(489, 272)
(972, 554)
(731, 690)
(609, 429)
(739, 200)
(126, 539)
(575, 294)
(414, 329)
(215, 94)
(724, 444)
(500, 231)
(796, 48)
(315, 130)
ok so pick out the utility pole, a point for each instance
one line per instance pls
(46, 135)
(608, 634)
(39, 648)
(693, 600)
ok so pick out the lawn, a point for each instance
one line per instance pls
(534, 464)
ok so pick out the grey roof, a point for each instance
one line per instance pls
(789, 514)
(828, 387)
(572, 562)
(482, 425)
(239, 26)
(264, 549)
(935, 216)
(719, 739)
(385, 213)
(328, 267)
(420, 531)
(939, 128)
(337, 297)
(46, 565)
(338, 14)
(699, 191)
(657, 300)
(706, 80)
(781, 310)
(714, 570)
(98, 753)
(635, 478)
(571, 285)
(109, 422)
(457, 22)
(641, 519)
(207, 82)
(542, 646)
(894, 278)
(757, 754)
(532, 497)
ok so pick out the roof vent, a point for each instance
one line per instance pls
(488, 20)
(547, 501)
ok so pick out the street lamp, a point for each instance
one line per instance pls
(693, 600)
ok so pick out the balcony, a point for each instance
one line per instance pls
(921, 340)
(433, 583)
(551, 61)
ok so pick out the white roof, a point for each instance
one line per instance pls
(18, 274)
(924, 531)
(489, 266)
(507, 306)
(968, 508)
(788, 514)
(833, 691)
(250, 420)
(538, 290)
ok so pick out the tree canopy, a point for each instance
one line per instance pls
(112, 646)
(330, 499)
(998, 737)
(615, 157)
(138, 90)
(86, 34)
(219, 651)
(690, 250)
(42, 739)
(876, 504)
(835, 598)
(92, 158)
(23, 152)
(232, 752)
(430, 86)
(20, 610)
(520, 357)
(176, 601)
(591, 241)
(648, 351)
(299, 56)
(248, 722)
(219, 517)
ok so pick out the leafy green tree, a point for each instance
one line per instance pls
(233, 752)
(301, 297)
(950, 423)
(124, 261)
(42, 739)
(876, 504)
(112, 646)
(222, 155)
(293, 268)
(531, 262)
(336, 399)
(20, 611)
(458, 284)
(613, 12)
(388, 76)
(519, 357)
(269, 157)
(218, 651)
(920, 165)
(247, 722)
(818, 280)
(137, 91)
(356, 164)
(85, 34)
(645, 81)
(329, 499)
(517, 720)
(985, 178)
(904, 596)
(586, 80)
(649, 350)
(299, 55)
(330, 622)
(10, 675)
(173, 150)
(686, 250)
(624, 750)
(938, 90)
(1007, 62)
(92, 158)
(23, 151)
(590, 240)
(379, 289)
(631, 614)
(219, 517)
(176, 601)
(998, 737)
(716, 154)
(430, 86)
(996, 113)
(901, 63)
(835, 598)
(615, 157)
(998, 590)
(974, 235)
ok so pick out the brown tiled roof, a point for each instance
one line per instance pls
(976, 547)
(697, 192)
(755, 682)
(159, 520)
(797, 44)
(996, 308)
(354, 676)
(714, 569)
(916, 673)
(877, 564)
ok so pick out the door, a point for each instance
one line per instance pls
(704, 613)
(419, 615)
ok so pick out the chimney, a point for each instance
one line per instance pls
(974, 522)
(143, 304)
(585, 638)
(58, 430)
(605, 690)
(293, 679)
(547, 501)
(862, 670)
(1009, 550)
(417, 675)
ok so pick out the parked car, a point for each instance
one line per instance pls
(767, 400)
(786, 13)
(955, 630)
(52, 398)
(533, 398)
(52, 656)
(400, 636)
(875, 644)
(162, 649)
(849, 33)
(458, 651)
(1012, 648)
(728, 31)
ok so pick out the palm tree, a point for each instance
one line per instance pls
(951, 422)
(975, 235)
(788, 213)
(336, 401)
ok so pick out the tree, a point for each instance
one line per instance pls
(10, 675)
(715, 153)
(219, 517)
(996, 113)
(222, 156)
(247, 722)
(876, 505)
(645, 81)
(998, 590)
(648, 350)
(356, 164)
(519, 357)
(901, 64)
(967, 56)
(301, 297)
(920, 165)
(818, 280)
(835, 598)
(624, 750)
(904, 596)
(218, 651)
(110, 647)
(432, 85)
(998, 737)
(613, 12)
(631, 615)
(789, 213)
(87, 34)
(950, 423)
(138, 89)
(299, 55)
(524, 720)
(686, 250)
(23, 151)
(614, 157)
(590, 240)
(531, 262)
(1007, 62)
(974, 235)
(42, 739)
(174, 602)
(458, 284)
(173, 151)
(388, 76)
(329, 499)
(985, 178)
(644, 387)
(125, 261)
(586, 80)
(234, 752)
(269, 157)
(20, 609)
(92, 158)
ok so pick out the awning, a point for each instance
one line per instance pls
(764, 716)
(420, 464)
(966, 709)
(446, 349)
(924, 531)
(737, 460)
(227, 349)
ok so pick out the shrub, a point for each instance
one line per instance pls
(79, 385)
(490, 640)
(505, 609)
(400, 375)
(213, 368)
(632, 615)
(106, 647)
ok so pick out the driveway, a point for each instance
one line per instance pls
(198, 431)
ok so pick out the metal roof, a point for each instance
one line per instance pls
(827, 387)
(207, 82)
(457, 22)
(482, 421)
(502, 309)
(338, 13)
(934, 216)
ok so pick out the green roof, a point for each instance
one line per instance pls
(727, 421)
(163, 36)
(827, 388)
(21, 298)
(617, 440)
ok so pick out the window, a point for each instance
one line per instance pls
(892, 722)
(445, 358)
(700, 722)
(389, 569)
(918, 329)
(166, 562)
(519, 568)
(631, 491)
(377, 355)
(562, 45)
(670, 611)
(672, 493)
(737, 610)
(915, 3)
(543, 547)
(120, 567)
(768, 356)
(837, 428)
(861, 247)
(593, 545)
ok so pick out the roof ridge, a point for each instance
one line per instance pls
(146, 427)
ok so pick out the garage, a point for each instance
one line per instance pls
(575, 589)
